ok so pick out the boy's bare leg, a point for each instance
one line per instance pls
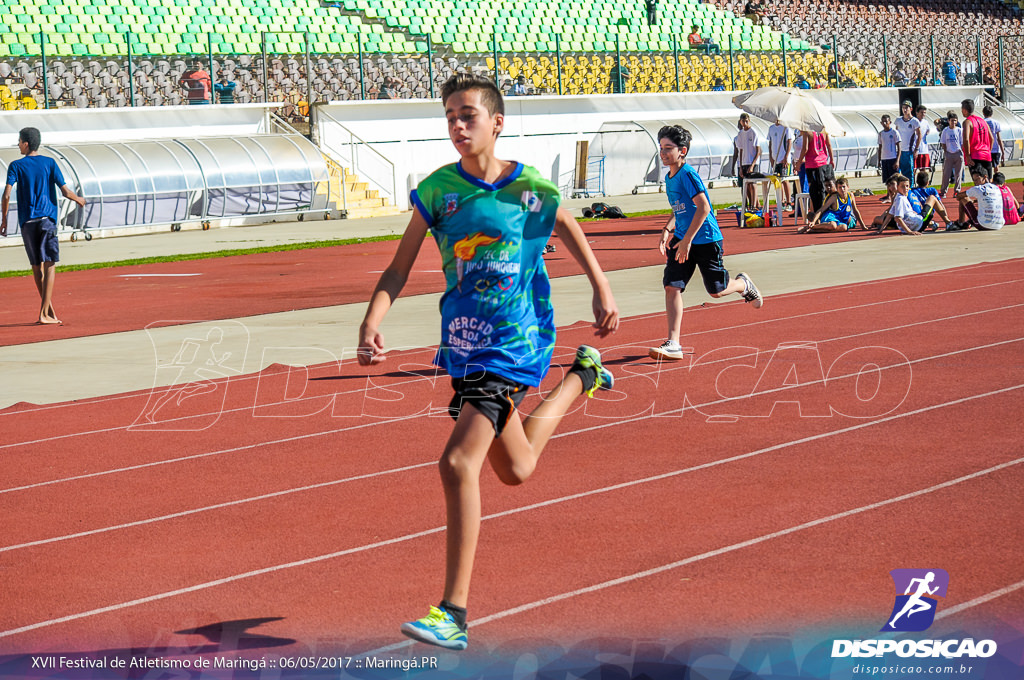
(515, 453)
(939, 208)
(44, 275)
(674, 311)
(460, 475)
(735, 286)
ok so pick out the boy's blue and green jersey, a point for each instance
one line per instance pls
(496, 311)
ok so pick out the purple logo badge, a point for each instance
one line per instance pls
(916, 603)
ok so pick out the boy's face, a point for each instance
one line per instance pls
(953, 122)
(886, 123)
(744, 123)
(903, 188)
(906, 111)
(842, 189)
(671, 155)
(471, 126)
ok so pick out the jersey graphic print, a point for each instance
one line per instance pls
(496, 311)
(915, 605)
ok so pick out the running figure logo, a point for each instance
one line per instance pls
(192, 361)
(915, 605)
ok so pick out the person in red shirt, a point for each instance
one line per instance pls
(196, 82)
(698, 43)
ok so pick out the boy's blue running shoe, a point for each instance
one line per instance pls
(437, 628)
(587, 357)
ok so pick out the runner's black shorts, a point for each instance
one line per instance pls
(493, 395)
(706, 256)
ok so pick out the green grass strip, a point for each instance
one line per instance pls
(308, 245)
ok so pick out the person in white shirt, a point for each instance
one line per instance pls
(923, 157)
(997, 137)
(780, 153)
(907, 220)
(910, 136)
(981, 206)
(888, 149)
(748, 150)
(952, 140)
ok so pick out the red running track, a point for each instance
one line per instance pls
(769, 484)
(98, 301)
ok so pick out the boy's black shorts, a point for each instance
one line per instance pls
(707, 256)
(493, 395)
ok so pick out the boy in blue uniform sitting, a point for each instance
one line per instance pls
(491, 219)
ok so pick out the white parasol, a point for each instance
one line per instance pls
(790, 106)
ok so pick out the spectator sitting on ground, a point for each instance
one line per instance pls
(981, 206)
(926, 201)
(1011, 208)
(901, 213)
(838, 213)
(700, 44)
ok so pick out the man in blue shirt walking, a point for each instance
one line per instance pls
(37, 178)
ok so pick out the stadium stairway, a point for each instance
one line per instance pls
(356, 199)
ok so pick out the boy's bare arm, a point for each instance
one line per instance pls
(606, 313)
(5, 205)
(371, 342)
(72, 196)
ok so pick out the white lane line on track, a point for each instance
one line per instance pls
(623, 580)
(564, 499)
(582, 324)
(431, 463)
(981, 599)
(416, 380)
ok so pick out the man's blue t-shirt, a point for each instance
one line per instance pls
(36, 179)
(681, 188)
(918, 196)
(496, 311)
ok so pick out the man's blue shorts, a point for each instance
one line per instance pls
(40, 239)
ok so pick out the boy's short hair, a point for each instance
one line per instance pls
(967, 105)
(744, 116)
(30, 136)
(999, 178)
(490, 95)
(951, 115)
(899, 179)
(842, 181)
(987, 111)
(977, 170)
(886, 118)
(676, 134)
(922, 178)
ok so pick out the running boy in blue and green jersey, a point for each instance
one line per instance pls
(691, 239)
(491, 219)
